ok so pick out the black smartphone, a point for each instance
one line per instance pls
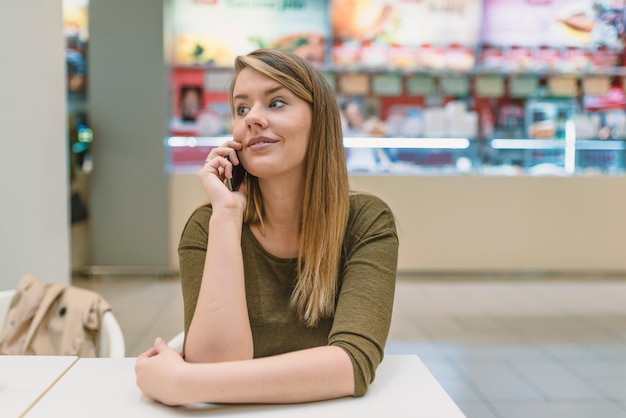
(238, 174)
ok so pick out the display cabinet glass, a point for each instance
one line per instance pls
(555, 157)
(444, 156)
(364, 155)
(558, 138)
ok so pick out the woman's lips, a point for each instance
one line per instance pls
(260, 142)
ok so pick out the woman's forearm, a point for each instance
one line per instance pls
(313, 374)
(220, 329)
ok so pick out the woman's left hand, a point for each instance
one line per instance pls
(158, 370)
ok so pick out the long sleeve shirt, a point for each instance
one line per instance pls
(360, 324)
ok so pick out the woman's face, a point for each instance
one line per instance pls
(272, 123)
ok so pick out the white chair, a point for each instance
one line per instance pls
(111, 342)
(177, 342)
(5, 302)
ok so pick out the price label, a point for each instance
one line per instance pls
(596, 85)
(387, 85)
(357, 84)
(454, 85)
(523, 86)
(420, 85)
(563, 86)
(489, 86)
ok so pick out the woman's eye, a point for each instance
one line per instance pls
(242, 110)
(278, 103)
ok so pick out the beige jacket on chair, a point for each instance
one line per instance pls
(52, 319)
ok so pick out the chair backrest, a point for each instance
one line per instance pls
(111, 344)
(5, 302)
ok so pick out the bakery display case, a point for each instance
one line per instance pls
(558, 138)
(443, 89)
(364, 155)
(556, 157)
(497, 138)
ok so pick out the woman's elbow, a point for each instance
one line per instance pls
(217, 353)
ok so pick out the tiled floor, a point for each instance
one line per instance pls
(504, 347)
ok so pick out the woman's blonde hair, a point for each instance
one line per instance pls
(326, 198)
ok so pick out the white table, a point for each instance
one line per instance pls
(106, 388)
(24, 379)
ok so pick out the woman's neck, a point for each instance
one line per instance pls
(281, 210)
(281, 220)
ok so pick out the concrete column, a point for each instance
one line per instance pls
(127, 99)
(34, 196)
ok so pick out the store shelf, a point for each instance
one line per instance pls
(410, 156)
(477, 70)
(443, 156)
(556, 144)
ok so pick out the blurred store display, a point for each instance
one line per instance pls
(76, 31)
(505, 75)
(80, 135)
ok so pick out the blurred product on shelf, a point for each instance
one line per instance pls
(360, 19)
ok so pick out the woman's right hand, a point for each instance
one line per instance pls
(217, 167)
(157, 371)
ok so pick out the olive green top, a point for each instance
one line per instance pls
(362, 318)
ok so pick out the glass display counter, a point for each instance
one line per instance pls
(365, 155)
(445, 156)
(556, 138)
(555, 157)
(444, 198)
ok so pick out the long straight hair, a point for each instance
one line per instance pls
(326, 198)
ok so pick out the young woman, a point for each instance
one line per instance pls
(288, 282)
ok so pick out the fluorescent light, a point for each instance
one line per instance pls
(349, 142)
(527, 143)
(594, 144)
(416, 143)
(196, 141)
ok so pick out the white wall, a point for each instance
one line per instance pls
(34, 215)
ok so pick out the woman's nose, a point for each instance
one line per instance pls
(255, 117)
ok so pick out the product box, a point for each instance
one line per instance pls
(546, 119)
